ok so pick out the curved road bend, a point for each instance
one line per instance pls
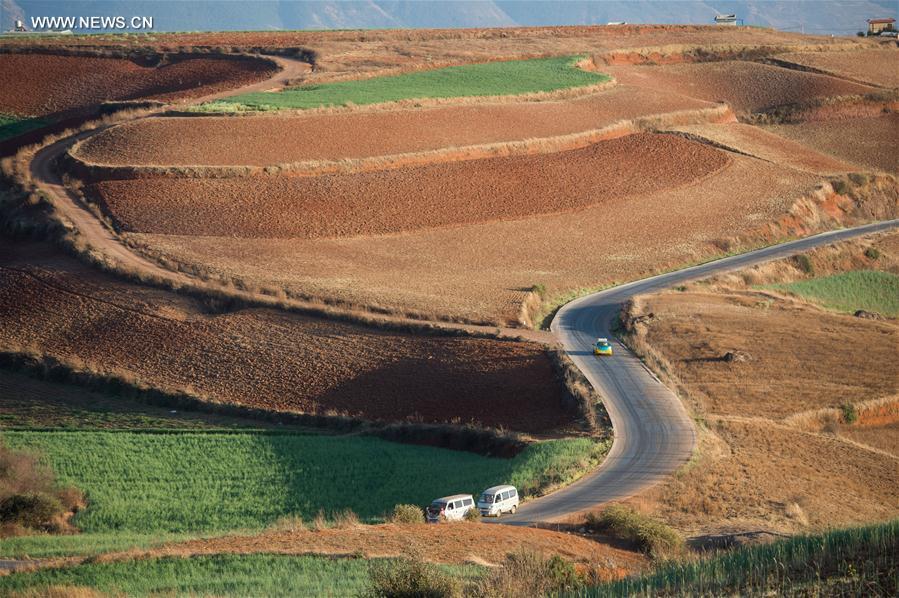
(654, 434)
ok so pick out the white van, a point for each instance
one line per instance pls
(498, 500)
(450, 508)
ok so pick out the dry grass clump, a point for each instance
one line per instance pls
(30, 498)
(410, 578)
(526, 573)
(407, 514)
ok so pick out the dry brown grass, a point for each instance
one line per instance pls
(778, 452)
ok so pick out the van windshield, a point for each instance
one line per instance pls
(487, 498)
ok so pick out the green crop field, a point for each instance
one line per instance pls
(514, 77)
(195, 481)
(850, 562)
(217, 575)
(12, 126)
(870, 290)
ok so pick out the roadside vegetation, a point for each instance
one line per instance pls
(514, 77)
(171, 481)
(13, 126)
(869, 290)
(850, 562)
(220, 575)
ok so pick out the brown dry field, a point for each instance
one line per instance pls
(355, 52)
(874, 66)
(60, 83)
(746, 86)
(867, 142)
(768, 459)
(263, 358)
(278, 139)
(409, 199)
(458, 542)
(768, 146)
(482, 271)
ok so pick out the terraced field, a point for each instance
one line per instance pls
(268, 359)
(59, 83)
(278, 139)
(874, 66)
(408, 199)
(746, 86)
(503, 78)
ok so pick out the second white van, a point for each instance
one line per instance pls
(497, 500)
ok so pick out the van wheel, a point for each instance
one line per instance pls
(512, 510)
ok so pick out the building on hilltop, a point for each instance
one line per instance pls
(876, 26)
(727, 20)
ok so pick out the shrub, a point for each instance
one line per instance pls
(289, 523)
(840, 186)
(35, 510)
(473, 514)
(651, 536)
(407, 514)
(850, 413)
(345, 519)
(872, 253)
(539, 290)
(804, 263)
(526, 574)
(409, 578)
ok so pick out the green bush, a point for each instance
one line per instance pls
(840, 186)
(34, 510)
(410, 578)
(850, 413)
(872, 253)
(651, 536)
(407, 514)
(526, 574)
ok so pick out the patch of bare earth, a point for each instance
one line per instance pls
(407, 199)
(875, 66)
(39, 84)
(770, 374)
(746, 86)
(763, 144)
(868, 142)
(458, 543)
(53, 305)
(484, 270)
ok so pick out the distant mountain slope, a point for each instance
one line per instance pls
(811, 16)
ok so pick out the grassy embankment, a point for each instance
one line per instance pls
(514, 77)
(869, 290)
(12, 126)
(849, 562)
(218, 575)
(180, 482)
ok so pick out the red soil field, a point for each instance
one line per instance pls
(408, 199)
(40, 84)
(875, 66)
(263, 358)
(268, 140)
(745, 86)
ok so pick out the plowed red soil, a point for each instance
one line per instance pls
(876, 66)
(268, 359)
(458, 542)
(268, 140)
(39, 84)
(868, 142)
(412, 198)
(745, 86)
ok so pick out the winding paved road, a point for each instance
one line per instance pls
(654, 434)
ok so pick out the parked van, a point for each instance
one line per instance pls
(495, 501)
(450, 508)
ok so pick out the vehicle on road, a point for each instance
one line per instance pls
(497, 500)
(450, 508)
(602, 347)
